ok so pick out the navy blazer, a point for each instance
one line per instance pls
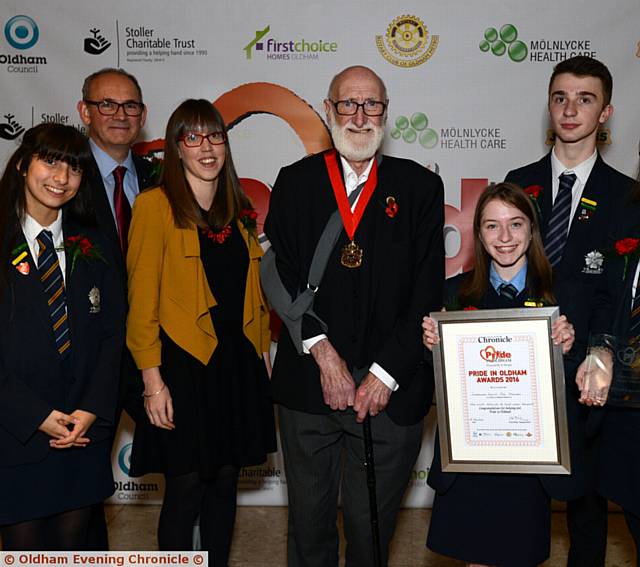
(400, 280)
(575, 284)
(33, 380)
(561, 487)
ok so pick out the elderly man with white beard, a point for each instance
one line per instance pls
(361, 352)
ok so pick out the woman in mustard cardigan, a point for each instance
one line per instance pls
(198, 330)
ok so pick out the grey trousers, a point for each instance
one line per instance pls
(325, 453)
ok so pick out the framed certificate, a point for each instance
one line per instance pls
(500, 392)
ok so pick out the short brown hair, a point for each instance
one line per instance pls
(86, 86)
(583, 66)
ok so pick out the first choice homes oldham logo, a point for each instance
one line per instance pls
(407, 42)
(276, 49)
(21, 33)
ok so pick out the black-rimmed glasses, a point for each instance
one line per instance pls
(195, 139)
(350, 107)
(110, 107)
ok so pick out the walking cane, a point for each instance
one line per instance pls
(371, 484)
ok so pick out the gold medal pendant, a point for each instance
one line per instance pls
(351, 255)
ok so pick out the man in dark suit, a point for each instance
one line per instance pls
(385, 272)
(582, 205)
(113, 112)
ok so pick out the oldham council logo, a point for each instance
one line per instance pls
(21, 32)
(407, 42)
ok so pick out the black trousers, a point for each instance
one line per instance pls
(324, 454)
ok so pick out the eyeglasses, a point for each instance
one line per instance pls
(110, 107)
(350, 107)
(194, 139)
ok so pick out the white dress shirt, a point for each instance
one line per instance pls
(31, 229)
(582, 172)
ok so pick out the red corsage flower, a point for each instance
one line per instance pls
(248, 218)
(626, 246)
(533, 191)
(81, 247)
(392, 207)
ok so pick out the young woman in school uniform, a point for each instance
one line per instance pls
(62, 320)
(497, 519)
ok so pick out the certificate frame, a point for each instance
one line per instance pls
(501, 409)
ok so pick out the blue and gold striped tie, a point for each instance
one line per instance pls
(53, 284)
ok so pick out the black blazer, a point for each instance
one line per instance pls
(373, 312)
(106, 222)
(561, 487)
(32, 379)
(130, 383)
(574, 284)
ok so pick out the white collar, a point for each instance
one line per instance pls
(582, 170)
(32, 228)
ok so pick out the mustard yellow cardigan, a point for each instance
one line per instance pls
(168, 287)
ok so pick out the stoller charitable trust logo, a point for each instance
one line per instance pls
(10, 129)
(21, 32)
(407, 42)
(96, 43)
(289, 49)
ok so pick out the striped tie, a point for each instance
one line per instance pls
(634, 320)
(51, 278)
(559, 222)
(508, 290)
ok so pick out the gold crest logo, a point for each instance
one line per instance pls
(407, 42)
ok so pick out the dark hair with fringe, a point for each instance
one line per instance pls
(539, 271)
(230, 200)
(45, 141)
(583, 66)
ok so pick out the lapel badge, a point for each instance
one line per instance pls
(94, 299)
(21, 264)
(23, 268)
(587, 208)
(594, 261)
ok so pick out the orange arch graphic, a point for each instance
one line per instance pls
(268, 98)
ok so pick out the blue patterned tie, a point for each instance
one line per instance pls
(53, 284)
(558, 228)
(508, 290)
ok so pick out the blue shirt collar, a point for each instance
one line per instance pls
(519, 281)
(106, 164)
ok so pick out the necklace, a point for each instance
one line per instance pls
(217, 237)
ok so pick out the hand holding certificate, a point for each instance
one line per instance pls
(500, 390)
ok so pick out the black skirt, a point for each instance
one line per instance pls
(223, 412)
(492, 519)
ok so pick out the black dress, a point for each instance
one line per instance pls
(495, 519)
(222, 411)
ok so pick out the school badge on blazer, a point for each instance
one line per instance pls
(94, 299)
(594, 261)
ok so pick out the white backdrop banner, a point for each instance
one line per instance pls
(467, 85)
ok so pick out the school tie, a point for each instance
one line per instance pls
(559, 222)
(53, 284)
(634, 320)
(508, 290)
(122, 208)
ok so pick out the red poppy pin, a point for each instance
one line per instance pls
(392, 207)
